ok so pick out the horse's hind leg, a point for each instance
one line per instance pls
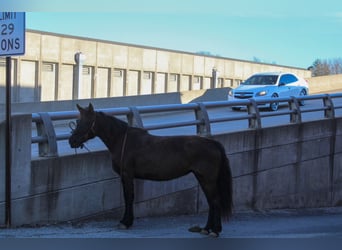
(209, 187)
(213, 226)
(128, 190)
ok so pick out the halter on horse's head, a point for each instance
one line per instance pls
(84, 129)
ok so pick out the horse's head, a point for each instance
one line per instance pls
(84, 129)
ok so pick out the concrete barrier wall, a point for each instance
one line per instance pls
(21, 161)
(218, 94)
(325, 84)
(291, 166)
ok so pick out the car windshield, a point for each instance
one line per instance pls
(261, 80)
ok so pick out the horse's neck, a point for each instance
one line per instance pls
(110, 131)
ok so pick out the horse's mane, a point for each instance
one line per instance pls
(120, 123)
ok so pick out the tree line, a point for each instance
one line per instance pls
(326, 67)
(320, 67)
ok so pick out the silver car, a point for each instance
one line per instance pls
(270, 85)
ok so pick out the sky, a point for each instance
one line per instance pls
(292, 32)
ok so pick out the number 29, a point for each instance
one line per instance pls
(7, 29)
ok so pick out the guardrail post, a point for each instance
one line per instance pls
(201, 114)
(329, 112)
(296, 115)
(134, 118)
(254, 121)
(45, 128)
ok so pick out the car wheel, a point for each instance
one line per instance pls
(302, 93)
(274, 105)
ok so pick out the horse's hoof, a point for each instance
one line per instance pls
(122, 226)
(195, 229)
(204, 231)
(213, 235)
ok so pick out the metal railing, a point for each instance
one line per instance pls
(47, 137)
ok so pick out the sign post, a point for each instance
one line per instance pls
(12, 42)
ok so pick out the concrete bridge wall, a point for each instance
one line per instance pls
(324, 84)
(290, 166)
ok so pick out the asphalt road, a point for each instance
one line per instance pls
(283, 224)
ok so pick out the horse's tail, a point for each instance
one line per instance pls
(225, 186)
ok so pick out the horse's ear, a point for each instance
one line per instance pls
(90, 107)
(82, 110)
(79, 108)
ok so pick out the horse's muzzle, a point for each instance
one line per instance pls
(74, 143)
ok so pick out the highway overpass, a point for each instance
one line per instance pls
(286, 159)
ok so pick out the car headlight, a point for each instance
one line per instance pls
(261, 93)
(230, 93)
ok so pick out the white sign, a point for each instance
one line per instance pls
(12, 33)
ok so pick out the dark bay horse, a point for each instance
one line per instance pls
(138, 154)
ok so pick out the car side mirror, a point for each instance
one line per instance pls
(282, 84)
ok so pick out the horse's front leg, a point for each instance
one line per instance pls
(128, 190)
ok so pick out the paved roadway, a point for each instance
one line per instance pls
(96, 144)
(308, 223)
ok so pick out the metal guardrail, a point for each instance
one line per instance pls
(47, 138)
